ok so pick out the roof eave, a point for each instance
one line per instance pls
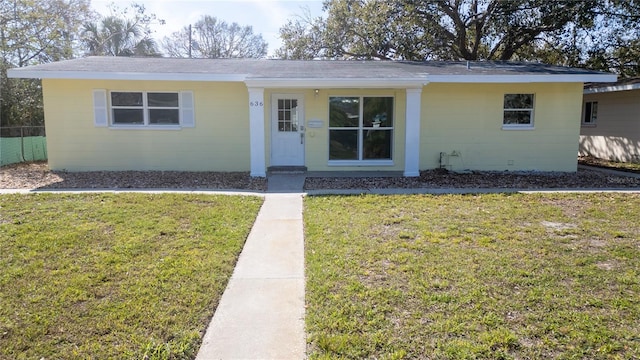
(612, 88)
(85, 75)
(529, 78)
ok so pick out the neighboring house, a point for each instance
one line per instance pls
(113, 113)
(611, 121)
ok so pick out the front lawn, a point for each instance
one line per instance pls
(115, 276)
(464, 277)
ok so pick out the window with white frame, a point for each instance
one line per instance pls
(518, 110)
(360, 128)
(145, 108)
(590, 113)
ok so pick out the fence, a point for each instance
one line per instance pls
(19, 144)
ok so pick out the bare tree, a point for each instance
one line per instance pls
(213, 38)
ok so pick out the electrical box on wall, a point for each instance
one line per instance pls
(315, 124)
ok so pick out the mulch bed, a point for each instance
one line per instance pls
(481, 179)
(38, 176)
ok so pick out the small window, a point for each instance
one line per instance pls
(590, 113)
(145, 108)
(518, 110)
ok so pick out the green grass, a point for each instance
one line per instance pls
(105, 276)
(473, 277)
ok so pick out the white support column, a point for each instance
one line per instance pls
(412, 136)
(256, 132)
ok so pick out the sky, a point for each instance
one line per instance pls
(266, 16)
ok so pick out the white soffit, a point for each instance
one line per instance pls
(528, 78)
(338, 83)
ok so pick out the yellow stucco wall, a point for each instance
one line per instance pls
(461, 118)
(219, 141)
(467, 119)
(616, 133)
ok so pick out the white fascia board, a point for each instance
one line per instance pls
(612, 88)
(86, 75)
(339, 83)
(530, 78)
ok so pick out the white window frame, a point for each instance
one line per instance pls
(361, 128)
(531, 111)
(592, 118)
(145, 111)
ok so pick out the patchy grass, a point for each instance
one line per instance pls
(105, 276)
(610, 164)
(467, 277)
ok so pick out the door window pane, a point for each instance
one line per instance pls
(288, 115)
(343, 145)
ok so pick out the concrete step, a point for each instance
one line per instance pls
(287, 169)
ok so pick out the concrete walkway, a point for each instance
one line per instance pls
(261, 313)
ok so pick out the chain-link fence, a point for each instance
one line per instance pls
(19, 144)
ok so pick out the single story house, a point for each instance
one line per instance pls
(611, 121)
(117, 113)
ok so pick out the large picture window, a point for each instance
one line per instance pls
(518, 110)
(145, 108)
(360, 128)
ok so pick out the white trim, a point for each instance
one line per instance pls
(612, 88)
(412, 132)
(94, 75)
(146, 127)
(256, 132)
(337, 83)
(504, 78)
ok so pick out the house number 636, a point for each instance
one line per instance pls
(256, 103)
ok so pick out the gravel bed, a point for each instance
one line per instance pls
(480, 179)
(38, 176)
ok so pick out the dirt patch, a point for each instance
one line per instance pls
(558, 226)
(607, 265)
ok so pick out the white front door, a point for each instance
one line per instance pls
(287, 130)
